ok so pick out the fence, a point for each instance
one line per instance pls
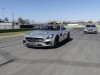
(9, 27)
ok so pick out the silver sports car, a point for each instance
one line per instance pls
(46, 36)
(90, 29)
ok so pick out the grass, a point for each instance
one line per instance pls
(98, 27)
(79, 26)
(8, 32)
(14, 30)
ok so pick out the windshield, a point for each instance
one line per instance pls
(50, 28)
(90, 26)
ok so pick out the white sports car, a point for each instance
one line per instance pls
(46, 36)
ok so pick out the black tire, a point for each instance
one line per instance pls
(96, 32)
(68, 36)
(85, 32)
(28, 46)
(56, 42)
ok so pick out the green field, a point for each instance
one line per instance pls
(14, 30)
(79, 26)
(9, 32)
(12, 33)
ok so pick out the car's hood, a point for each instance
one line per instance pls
(40, 33)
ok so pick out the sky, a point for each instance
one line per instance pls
(51, 10)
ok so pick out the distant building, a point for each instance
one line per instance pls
(8, 25)
(5, 23)
(73, 24)
(77, 23)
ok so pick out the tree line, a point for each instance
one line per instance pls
(20, 20)
(27, 21)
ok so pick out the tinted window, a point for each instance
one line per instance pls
(87, 25)
(50, 28)
(93, 26)
(90, 26)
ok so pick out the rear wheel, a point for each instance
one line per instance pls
(68, 36)
(56, 42)
(96, 32)
(85, 32)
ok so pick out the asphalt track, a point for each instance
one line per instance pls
(78, 56)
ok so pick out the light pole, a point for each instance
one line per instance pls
(33, 22)
(3, 13)
(13, 20)
(4, 17)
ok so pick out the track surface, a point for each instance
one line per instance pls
(78, 56)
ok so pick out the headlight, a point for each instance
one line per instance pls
(50, 36)
(85, 30)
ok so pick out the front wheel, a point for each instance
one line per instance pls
(68, 36)
(56, 42)
(85, 32)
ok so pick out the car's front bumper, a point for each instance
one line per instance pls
(46, 43)
(90, 31)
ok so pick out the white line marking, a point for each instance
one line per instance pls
(11, 36)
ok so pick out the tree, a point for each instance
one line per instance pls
(21, 20)
(27, 21)
(90, 22)
(65, 22)
(6, 19)
(98, 22)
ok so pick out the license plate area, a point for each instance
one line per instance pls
(34, 44)
(90, 30)
(31, 39)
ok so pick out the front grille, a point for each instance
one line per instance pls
(31, 39)
(90, 29)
